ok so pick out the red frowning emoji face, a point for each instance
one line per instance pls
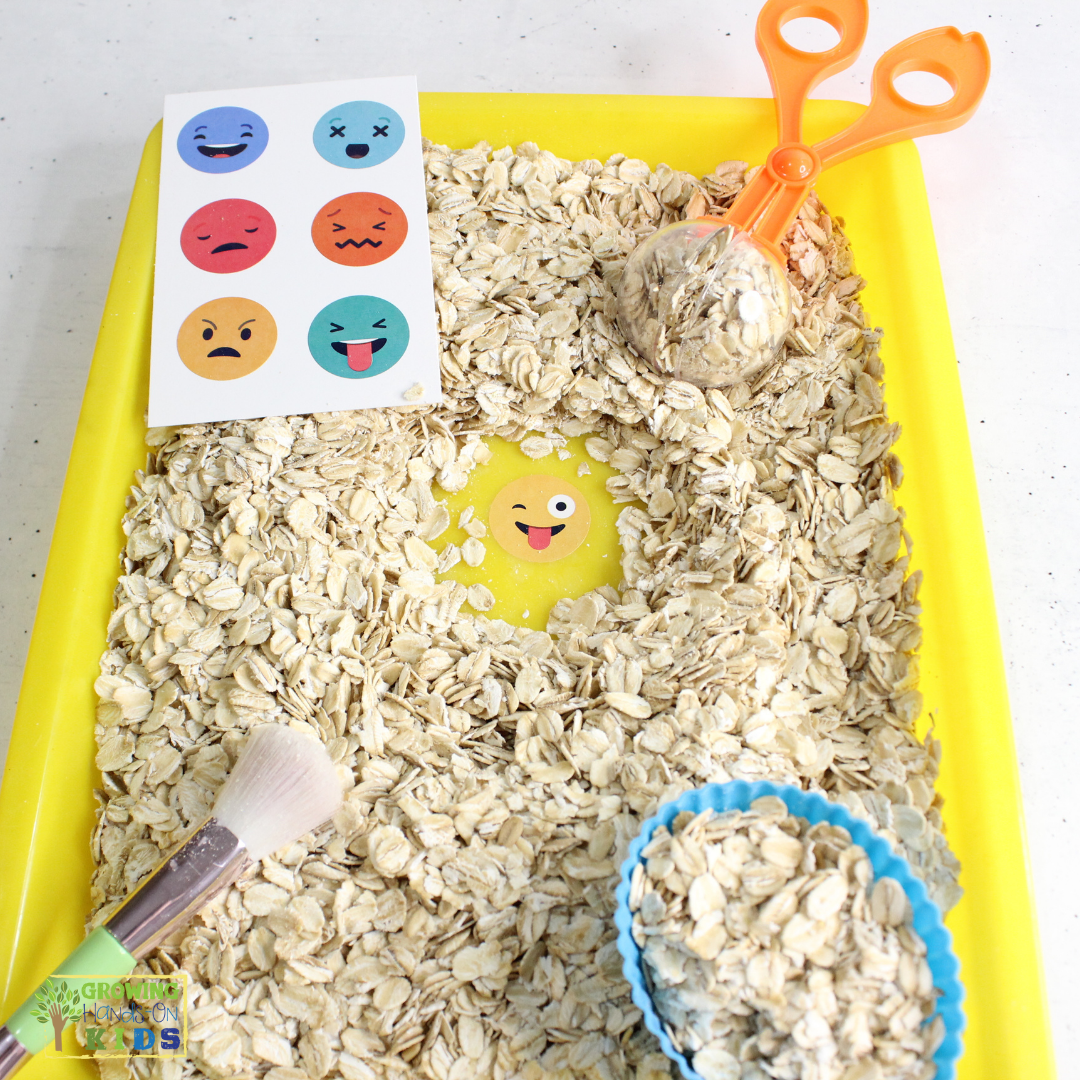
(228, 235)
(359, 229)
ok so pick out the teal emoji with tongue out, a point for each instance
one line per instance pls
(358, 337)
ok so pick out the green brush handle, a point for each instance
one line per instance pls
(204, 864)
(99, 957)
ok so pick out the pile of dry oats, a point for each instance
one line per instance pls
(771, 956)
(454, 920)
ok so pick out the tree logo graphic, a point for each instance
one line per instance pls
(56, 1004)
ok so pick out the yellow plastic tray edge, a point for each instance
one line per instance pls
(51, 759)
(963, 675)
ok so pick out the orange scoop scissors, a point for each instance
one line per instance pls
(708, 300)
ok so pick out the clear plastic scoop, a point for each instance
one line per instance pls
(708, 300)
(702, 301)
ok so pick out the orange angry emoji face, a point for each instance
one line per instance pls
(359, 229)
(226, 338)
(539, 518)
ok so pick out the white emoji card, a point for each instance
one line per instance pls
(293, 271)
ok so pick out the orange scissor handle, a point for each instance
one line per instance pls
(794, 73)
(768, 204)
(962, 60)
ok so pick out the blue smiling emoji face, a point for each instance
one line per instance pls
(222, 140)
(358, 336)
(359, 134)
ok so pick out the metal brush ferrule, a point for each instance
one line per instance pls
(210, 859)
(12, 1052)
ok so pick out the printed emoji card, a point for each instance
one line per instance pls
(293, 272)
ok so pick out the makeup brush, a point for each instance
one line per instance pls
(282, 786)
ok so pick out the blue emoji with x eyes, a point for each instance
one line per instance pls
(359, 134)
(222, 140)
(358, 336)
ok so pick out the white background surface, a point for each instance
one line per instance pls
(81, 85)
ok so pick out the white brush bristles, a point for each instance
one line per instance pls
(282, 786)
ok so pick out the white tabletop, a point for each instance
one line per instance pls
(81, 84)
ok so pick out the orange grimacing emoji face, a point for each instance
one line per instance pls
(226, 338)
(359, 229)
(539, 518)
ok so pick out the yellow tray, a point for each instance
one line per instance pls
(46, 808)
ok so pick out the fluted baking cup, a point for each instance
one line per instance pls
(738, 795)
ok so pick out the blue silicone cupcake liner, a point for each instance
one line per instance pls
(738, 795)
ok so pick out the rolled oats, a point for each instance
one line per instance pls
(801, 969)
(281, 570)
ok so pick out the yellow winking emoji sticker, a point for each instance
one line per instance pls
(548, 527)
